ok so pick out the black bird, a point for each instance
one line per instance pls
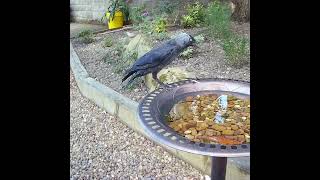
(158, 58)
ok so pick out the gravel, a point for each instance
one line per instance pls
(101, 147)
(207, 62)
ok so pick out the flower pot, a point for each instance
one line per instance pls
(117, 21)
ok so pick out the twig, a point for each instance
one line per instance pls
(117, 30)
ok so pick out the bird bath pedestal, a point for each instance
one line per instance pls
(156, 106)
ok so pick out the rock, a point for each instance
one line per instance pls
(210, 132)
(179, 110)
(209, 121)
(234, 127)
(241, 138)
(189, 137)
(138, 44)
(201, 125)
(133, 44)
(239, 132)
(194, 132)
(217, 133)
(228, 132)
(168, 75)
(190, 124)
(201, 133)
(130, 34)
(189, 99)
(231, 137)
(247, 137)
(218, 127)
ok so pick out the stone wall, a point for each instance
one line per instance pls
(88, 10)
(93, 10)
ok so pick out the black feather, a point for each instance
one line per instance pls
(156, 59)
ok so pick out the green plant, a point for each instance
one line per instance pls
(187, 53)
(236, 50)
(159, 36)
(122, 59)
(136, 13)
(188, 21)
(166, 6)
(107, 42)
(125, 61)
(199, 38)
(195, 15)
(135, 84)
(117, 5)
(218, 19)
(145, 26)
(159, 25)
(85, 36)
(154, 29)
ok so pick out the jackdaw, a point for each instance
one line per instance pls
(156, 59)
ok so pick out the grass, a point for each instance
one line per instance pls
(199, 38)
(218, 20)
(122, 60)
(85, 36)
(195, 15)
(107, 42)
(187, 53)
(237, 51)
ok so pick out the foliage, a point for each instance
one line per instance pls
(159, 25)
(117, 5)
(155, 29)
(219, 26)
(219, 19)
(85, 36)
(187, 53)
(137, 13)
(195, 15)
(166, 6)
(236, 50)
(199, 38)
(107, 42)
(121, 60)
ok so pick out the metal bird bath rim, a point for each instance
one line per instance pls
(157, 104)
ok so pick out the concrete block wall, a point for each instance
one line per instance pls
(93, 10)
(88, 10)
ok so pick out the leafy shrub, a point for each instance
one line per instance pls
(218, 19)
(107, 42)
(195, 15)
(236, 50)
(85, 36)
(187, 53)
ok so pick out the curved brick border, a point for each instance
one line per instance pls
(126, 111)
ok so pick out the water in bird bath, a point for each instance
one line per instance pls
(222, 119)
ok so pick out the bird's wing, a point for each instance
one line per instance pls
(155, 57)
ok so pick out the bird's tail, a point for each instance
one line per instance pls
(128, 74)
(136, 74)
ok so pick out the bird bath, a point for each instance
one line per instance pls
(154, 108)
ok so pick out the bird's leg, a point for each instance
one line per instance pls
(154, 76)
